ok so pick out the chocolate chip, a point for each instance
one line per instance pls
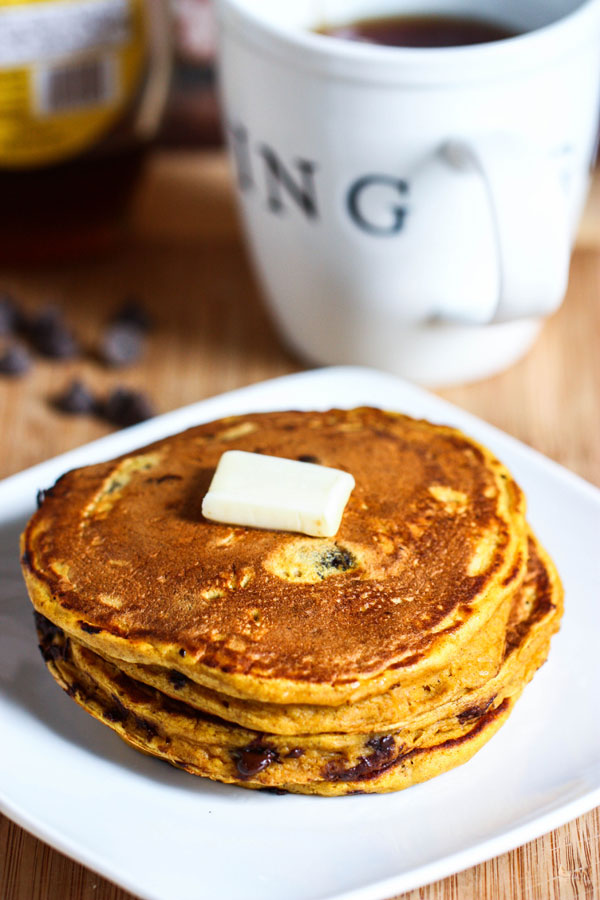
(50, 335)
(116, 713)
(133, 313)
(149, 729)
(382, 745)
(10, 317)
(76, 399)
(121, 344)
(14, 360)
(371, 766)
(182, 652)
(253, 759)
(337, 558)
(475, 712)
(309, 458)
(177, 679)
(90, 629)
(40, 497)
(126, 407)
(295, 753)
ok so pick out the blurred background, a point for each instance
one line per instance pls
(85, 95)
(122, 266)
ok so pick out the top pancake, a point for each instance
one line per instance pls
(120, 555)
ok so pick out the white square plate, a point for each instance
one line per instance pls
(162, 833)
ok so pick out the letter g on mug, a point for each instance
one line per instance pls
(411, 209)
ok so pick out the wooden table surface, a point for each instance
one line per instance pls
(185, 259)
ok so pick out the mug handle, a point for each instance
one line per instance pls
(529, 210)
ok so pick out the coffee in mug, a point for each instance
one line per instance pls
(420, 31)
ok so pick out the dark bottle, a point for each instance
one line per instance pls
(82, 89)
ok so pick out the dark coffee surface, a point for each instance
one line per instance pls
(421, 31)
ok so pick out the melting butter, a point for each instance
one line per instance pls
(260, 491)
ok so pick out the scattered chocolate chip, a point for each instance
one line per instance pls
(89, 629)
(182, 652)
(295, 753)
(14, 360)
(150, 730)
(116, 713)
(50, 335)
(382, 745)
(274, 790)
(380, 760)
(253, 759)
(309, 458)
(133, 313)
(177, 679)
(336, 558)
(121, 344)
(10, 317)
(76, 399)
(475, 712)
(126, 407)
(40, 497)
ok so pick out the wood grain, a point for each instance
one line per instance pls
(186, 261)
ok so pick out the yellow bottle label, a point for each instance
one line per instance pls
(68, 69)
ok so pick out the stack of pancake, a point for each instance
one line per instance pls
(366, 662)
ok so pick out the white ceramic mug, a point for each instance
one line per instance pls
(411, 209)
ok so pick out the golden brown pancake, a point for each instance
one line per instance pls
(273, 660)
(327, 763)
(431, 542)
(479, 661)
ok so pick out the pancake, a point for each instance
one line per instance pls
(326, 764)
(477, 663)
(430, 544)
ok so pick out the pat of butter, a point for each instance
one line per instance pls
(271, 492)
